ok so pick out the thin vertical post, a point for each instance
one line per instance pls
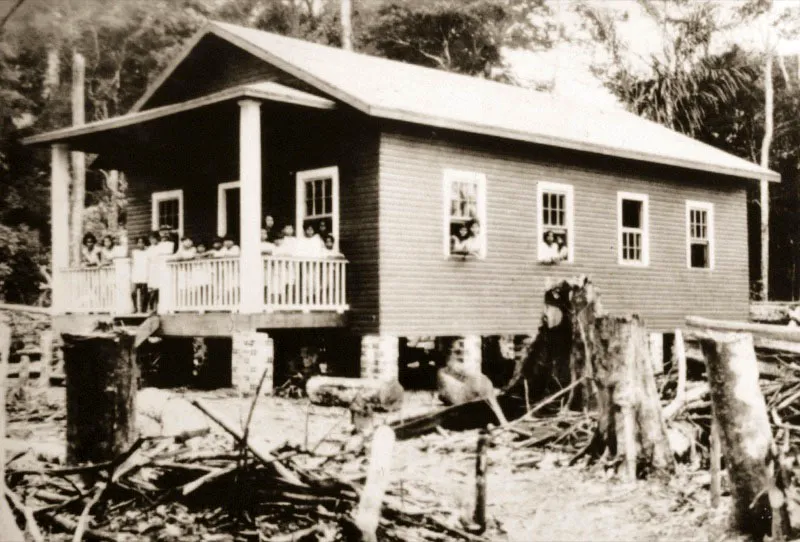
(59, 222)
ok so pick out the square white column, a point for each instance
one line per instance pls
(59, 221)
(251, 272)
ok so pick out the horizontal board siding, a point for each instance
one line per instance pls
(423, 293)
(358, 179)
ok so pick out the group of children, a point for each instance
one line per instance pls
(554, 247)
(149, 255)
(467, 239)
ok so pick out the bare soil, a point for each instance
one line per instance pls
(529, 503)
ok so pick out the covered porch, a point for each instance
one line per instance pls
(207, 167)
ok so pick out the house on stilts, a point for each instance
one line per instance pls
(397, 160)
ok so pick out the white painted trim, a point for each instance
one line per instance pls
(166, 195)
(448, 177)
(569, 192)
(709, 208)
(301, 178)
(645, 228)
(222, 205)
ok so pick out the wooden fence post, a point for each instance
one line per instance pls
(740, 413)
(368, 514)
(46, 359)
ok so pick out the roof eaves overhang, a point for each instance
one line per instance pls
(756, 173)
(265, 92)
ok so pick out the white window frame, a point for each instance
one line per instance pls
(222, 206)
(692, 205)
(569, 192)
(301, 178)
(166, 195)
(449, 176)
(645, 229)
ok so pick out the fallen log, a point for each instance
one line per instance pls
(740, 413)
(340, 391)
(101, 388)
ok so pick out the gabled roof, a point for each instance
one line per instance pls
(399, 91)
(264, 90)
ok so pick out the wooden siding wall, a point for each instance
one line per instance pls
(215, 65)
(423, 293)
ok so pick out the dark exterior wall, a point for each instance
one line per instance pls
(292, 141)
(423, 293)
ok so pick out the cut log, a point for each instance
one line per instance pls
(341, 391)
(101, 386)
(741, 416)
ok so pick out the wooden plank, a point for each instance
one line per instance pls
(785, 334)
(25, 308)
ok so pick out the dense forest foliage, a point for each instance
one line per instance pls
(697, 83)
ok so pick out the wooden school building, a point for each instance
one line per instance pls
(402, 161)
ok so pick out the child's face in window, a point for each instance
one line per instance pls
(475, 229)
(309, 231)
(462, 231)
(165, 236)
(107, 242)
(227, 243)
(329, 243)
(269, 221)
(89, 242)
(187, 243)
(323, 227)
(153, 239)
(140, 243)
(288, 231)
(263, 235)
(216, 245)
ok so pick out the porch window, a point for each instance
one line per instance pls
(632, 221)
(167, 211)
(318, 200)
(228, 211)
(699, 235)
(555, 222)
(464, 213)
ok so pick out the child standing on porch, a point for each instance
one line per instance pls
(158, 265)
(139, 268)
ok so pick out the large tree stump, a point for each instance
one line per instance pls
(741, 416)
(630, 423)
(101, 380)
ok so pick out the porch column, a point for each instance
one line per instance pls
(59, 221)
(251, 277)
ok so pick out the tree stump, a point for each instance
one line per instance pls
(630, 422)
(100, 371)
(741, 416)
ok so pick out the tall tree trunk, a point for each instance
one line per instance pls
(52, 79)
(78, 158)
(766, 143)
(346, 15)
(112, 183)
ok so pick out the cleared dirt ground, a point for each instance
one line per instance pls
(547, 502)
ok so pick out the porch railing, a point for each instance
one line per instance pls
(213, 284)
(104, 289)
(307, 284)
(202, 285)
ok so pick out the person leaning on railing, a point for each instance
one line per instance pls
(90, 252)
